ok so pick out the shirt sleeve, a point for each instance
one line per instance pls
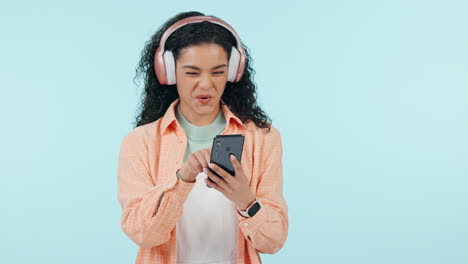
(267, 230)
(149, 212)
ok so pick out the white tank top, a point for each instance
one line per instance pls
(207, 229)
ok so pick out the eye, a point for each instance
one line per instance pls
(218, 72)
(191, 73)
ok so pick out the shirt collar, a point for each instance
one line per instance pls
(229, 115)
(169, 117)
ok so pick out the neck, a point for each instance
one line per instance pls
(200, 119)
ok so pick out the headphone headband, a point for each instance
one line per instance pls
(159, 59)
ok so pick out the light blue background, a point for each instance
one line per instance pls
(370, 98)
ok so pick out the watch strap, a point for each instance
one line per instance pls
(245, 213)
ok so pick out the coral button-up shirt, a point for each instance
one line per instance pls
(152, 197)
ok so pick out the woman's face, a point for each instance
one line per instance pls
(201, 73)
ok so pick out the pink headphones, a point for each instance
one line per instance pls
(164, 63)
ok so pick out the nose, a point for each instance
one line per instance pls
(205, 81)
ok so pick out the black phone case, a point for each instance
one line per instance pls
(223, 147)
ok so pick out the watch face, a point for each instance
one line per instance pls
(254, 209)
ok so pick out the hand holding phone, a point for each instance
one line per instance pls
(223, 147)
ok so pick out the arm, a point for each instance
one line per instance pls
(149, 212)
(268, 228)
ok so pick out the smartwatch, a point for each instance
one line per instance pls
(251, 210)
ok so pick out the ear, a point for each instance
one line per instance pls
(169, 63)
(233, 64)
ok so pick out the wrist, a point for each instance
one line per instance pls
(251, 210)
(182, 176)
(245, 204)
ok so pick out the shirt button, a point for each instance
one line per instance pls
(246, 224)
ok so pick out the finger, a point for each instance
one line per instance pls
(201, 159)
(213, 185)
(221, 172)
(207, 155)
(193, 165)
(215, 178)
(238, 169)
(236, 164)
(231, 182)
(230, 179)
(218, 181)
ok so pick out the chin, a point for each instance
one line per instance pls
(205, 109)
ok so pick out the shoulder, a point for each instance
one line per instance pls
(262, 134)
(142, 135)
(263, 144)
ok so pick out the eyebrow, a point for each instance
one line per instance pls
(196, 68)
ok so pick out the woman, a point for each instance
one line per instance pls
(198, 85)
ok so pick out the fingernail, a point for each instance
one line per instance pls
(211, 165)
(205, 170)
(232, 157)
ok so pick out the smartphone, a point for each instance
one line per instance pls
(223, 147)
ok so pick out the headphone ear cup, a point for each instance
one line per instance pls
(233, 64)
(169, 63)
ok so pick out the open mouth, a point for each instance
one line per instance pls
(204, 96)
(204, 99)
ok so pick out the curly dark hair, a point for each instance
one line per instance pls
(240, 96)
